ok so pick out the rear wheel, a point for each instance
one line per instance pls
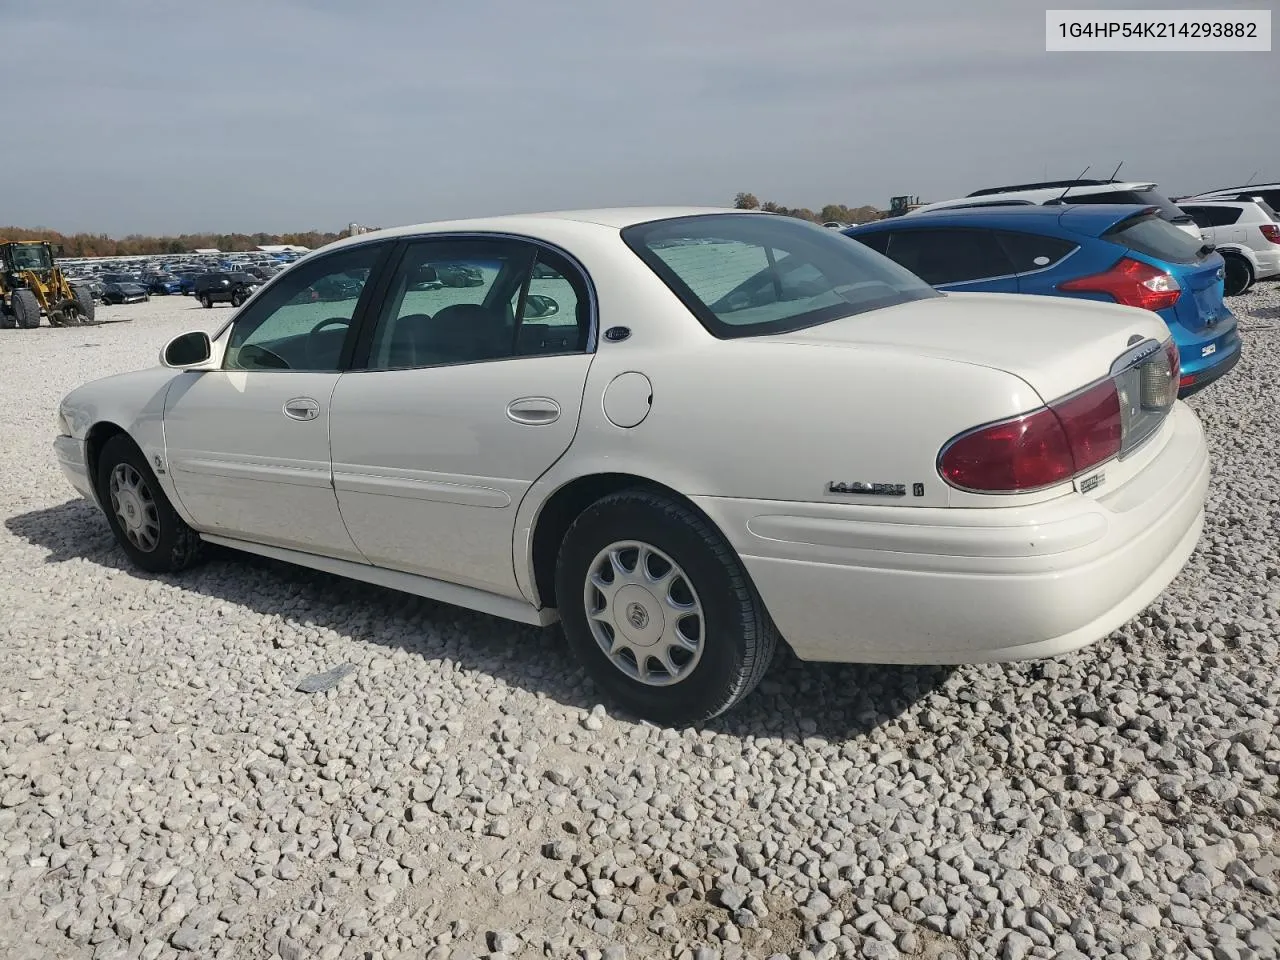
(1239, 275)
(659, 609)
(145, 524)
(26, 309)
(237, 298)
(205, 301)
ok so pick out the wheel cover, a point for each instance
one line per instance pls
(644, 613)
(135, 507)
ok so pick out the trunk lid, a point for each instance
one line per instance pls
(1055, 344)
(1201, 304)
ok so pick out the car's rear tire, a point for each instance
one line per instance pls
(685, 604)
(236, 299)
(1238, 275)
(26, 309)
(205, 301)
(143, 520)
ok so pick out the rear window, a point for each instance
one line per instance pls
(1156, 238)
(745, 275)
(1146, 198)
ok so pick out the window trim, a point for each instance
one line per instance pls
(362, 344)
(370, 293)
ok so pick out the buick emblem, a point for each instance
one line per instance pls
(637, 616)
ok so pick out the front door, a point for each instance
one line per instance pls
(248, 445)
(470, 390)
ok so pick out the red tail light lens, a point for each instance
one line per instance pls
(1131, 282)
(1069, 436)
(1271, 231)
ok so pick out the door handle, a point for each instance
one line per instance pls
(301, 408)
(533, 411)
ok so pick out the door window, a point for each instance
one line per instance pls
(471, 300)
(941, 256)
(1029, 252)
(302, 321)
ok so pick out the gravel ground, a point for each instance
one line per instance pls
(166, 791)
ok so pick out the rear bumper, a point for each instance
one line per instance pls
(1199, 373)
(920, 585)
(1268, 263)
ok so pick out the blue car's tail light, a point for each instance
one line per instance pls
(1131, 282)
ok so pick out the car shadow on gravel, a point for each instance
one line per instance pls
(795, 700)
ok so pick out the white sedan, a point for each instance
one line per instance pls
(684, 433)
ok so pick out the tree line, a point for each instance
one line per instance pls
(101, 245)
(838, 212)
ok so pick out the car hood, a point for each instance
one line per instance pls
(1055, 344)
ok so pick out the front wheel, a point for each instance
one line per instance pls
(26, 309)
(145, 524)
(205, 301)
(659, 609)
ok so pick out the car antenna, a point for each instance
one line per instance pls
(1069, 185)
(1251, 176)
(1112, 178)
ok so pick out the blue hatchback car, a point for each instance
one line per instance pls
(1116, 253)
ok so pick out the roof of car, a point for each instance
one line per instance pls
(613, 218)
(1083, 214)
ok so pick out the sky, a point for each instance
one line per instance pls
(148, 116)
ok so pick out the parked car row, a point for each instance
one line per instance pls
(118, 280)
(690, 435)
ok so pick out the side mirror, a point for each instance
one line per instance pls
(187, 350)
(537, 306)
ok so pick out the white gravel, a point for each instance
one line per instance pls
(166, 791)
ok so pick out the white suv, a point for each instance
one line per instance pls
(1143, 193)
(1246, 233)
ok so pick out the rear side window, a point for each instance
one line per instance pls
(1030, 252)
(942, 256)
(1214, 216)
(1156, 238)
(745, 275)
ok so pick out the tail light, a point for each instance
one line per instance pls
(1131, 282)
(1271, 231)
(1072, 435)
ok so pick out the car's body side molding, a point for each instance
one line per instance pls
(451, 593)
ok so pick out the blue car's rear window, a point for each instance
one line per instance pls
(1157, 238)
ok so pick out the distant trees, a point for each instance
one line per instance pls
(101, 245)
(832, 211)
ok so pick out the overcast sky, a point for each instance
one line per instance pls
(152, 116)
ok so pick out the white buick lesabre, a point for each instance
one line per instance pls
(684, 433)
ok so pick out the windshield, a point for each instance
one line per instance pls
(745, 275)
(30, 257)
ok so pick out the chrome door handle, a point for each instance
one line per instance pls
(301, 408)
(534, 411)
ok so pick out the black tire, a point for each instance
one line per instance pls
(87, 307)
(205, 301)
(1239, 276)
(26, 309)
(739, 638)
(237, 298)
(176, 546)
(7, 322)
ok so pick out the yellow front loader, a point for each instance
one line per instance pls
(32, 286)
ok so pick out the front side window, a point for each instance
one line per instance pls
(30, 257)
(748, 275)
(303, 320)
(941, 256)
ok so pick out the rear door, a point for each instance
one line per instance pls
(468, 388)
(1035, 258)
(955, 258)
